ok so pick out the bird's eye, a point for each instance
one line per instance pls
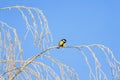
(63, 40)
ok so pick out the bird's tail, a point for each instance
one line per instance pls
(58, 47)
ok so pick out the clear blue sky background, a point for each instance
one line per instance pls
(81, 22)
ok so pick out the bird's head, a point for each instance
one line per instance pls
(64, 40)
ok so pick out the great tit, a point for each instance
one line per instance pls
(62, 43)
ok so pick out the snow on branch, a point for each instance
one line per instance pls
(38, 26)
(13, 66)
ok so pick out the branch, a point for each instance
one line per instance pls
(91, 74)
(38, 55)
(31, 60)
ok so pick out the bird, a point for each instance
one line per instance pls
(61, 43)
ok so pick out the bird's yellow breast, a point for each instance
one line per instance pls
(61, 43)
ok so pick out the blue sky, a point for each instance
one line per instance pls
(81, 22)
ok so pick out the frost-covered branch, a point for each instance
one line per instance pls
(39, 27)
(13, 66)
